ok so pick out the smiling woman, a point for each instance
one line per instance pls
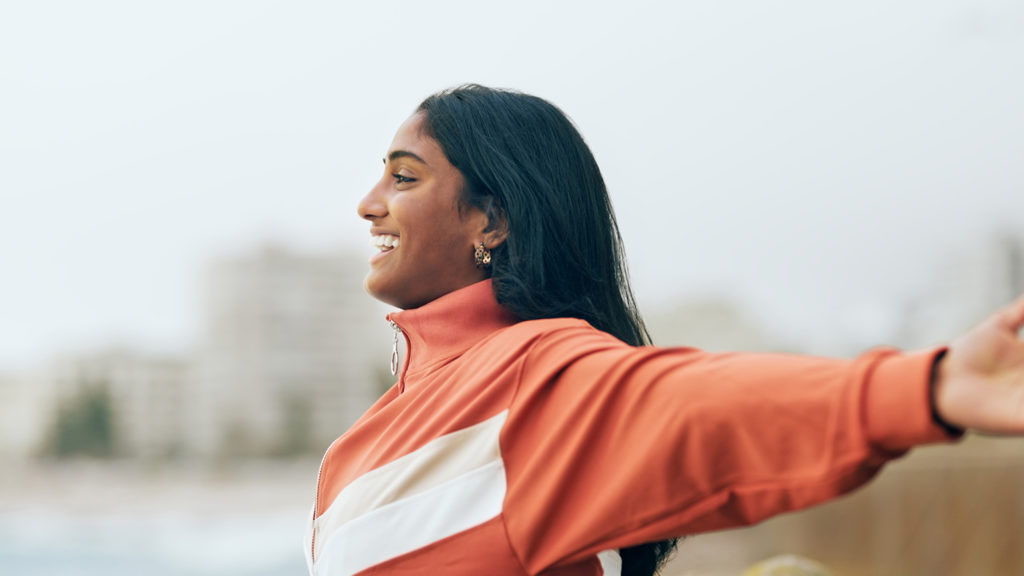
(532, 430)
(418, 223)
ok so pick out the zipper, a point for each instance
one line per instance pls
(394, 347)
(395, 360)
(319, 473)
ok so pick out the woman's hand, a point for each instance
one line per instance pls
(979, 384)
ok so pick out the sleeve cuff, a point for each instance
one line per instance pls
(898, 407)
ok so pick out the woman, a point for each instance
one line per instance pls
(531, 432)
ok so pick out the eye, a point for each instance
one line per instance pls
(399, 179)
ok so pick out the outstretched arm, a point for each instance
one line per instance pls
(979, 384)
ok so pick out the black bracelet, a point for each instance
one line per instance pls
(949, 428)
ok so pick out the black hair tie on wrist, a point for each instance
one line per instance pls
(949, 428)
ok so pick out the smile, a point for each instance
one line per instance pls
(384, 242)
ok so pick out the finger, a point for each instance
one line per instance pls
(1012, 317)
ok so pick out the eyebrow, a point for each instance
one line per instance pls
(404, 154)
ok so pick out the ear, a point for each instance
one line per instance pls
(488, 225)
(497, 228)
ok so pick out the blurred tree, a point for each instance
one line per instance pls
(84, 425)
(297, 425)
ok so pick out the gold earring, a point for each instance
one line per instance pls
(482, 256)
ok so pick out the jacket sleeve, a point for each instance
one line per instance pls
(609, 445)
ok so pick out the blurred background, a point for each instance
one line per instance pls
(182, 325)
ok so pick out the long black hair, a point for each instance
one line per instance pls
(525, 164)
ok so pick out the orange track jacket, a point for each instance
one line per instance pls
(542, 447)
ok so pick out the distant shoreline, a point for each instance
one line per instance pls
(87, 487)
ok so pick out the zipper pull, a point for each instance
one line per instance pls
(394, 349)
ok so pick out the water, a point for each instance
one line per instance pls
(165, 544)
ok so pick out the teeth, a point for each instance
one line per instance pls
(384, 241)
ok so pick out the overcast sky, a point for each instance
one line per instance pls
(813, 160)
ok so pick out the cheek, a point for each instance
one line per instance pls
(445, 247)
(441, 230)
(435, 234)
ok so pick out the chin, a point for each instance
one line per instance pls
(383, 294)
(372, 289)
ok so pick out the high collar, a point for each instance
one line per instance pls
(450, 324)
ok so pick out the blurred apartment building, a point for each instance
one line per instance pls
(105, 402)
(132, 403)
(711, 323)
(25, 403)
(292, 351)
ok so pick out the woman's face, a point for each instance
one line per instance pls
(425, 242)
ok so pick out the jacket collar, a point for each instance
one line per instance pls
(450, 325)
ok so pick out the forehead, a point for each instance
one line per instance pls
(411, 137)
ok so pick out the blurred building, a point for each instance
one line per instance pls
(26, 402)
(292, 352)
(116, 402)
(710, 323)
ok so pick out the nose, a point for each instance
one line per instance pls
(374, 204)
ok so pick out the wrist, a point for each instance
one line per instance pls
(935, 382)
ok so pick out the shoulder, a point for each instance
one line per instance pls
(551, 341)
(551, 331)
(545, 325)
(555, 343)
